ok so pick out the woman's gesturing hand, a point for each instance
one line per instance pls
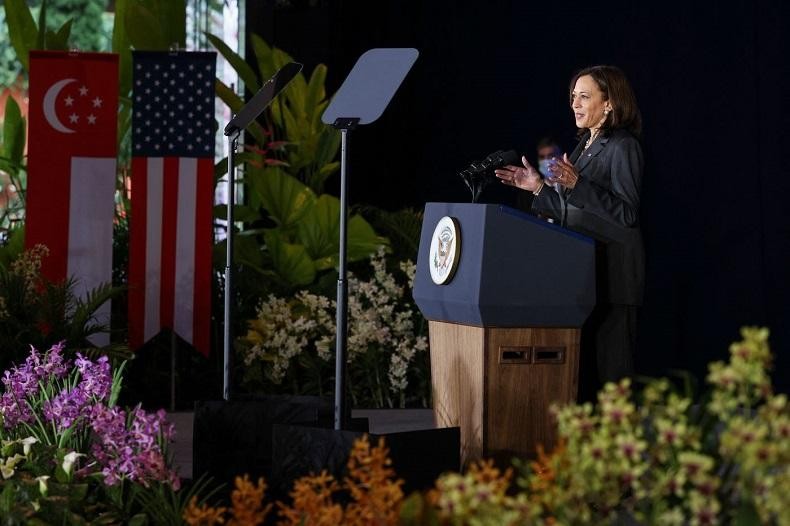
(563, 172)
(525, 177)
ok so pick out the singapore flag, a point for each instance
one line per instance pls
(72, 151)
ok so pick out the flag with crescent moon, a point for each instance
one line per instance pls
(72, 151)
(170, 268)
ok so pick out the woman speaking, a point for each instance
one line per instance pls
(596, 191)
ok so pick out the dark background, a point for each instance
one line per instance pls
(712, 84)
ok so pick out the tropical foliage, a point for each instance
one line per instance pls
(655, 457)
(289, 346)
(12, 173)
(35, 311)
(289, 230)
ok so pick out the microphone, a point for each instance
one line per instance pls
(480, 174)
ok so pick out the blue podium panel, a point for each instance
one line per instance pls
(513, 270)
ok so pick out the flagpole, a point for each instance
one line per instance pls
(228, 333)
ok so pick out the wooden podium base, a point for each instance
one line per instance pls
(497, 385)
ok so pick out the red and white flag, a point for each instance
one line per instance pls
(72, 150)
(172, 196)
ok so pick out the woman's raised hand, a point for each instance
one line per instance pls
(563, 172)
(525, 177)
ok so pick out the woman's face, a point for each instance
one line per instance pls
(587, 103)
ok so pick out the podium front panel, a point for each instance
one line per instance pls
(513, 270)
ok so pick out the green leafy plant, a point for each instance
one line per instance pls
(12, 167)
(25, 33)
(289, 346)
(657, 457)
(303, 144)
(290, 230)
(35, 311)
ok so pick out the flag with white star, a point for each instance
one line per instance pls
(173, 96)
(72, 157)
(172, 196)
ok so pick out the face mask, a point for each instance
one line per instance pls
(543, 167)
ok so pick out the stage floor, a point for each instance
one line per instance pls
(379, 421)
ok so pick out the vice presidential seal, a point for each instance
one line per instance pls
(445, 250)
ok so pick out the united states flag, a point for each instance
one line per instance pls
(172, 196)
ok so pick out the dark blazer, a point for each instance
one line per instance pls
(604, 204)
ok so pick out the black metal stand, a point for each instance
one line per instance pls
(365, 94)
(342, 413)
(227, 338)
(241, 120)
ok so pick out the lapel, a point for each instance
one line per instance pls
(594, 149)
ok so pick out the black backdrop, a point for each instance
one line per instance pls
(712, 83)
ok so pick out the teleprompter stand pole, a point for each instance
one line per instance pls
(227, 341)
(246, 115)
(361, 99)
(342, 413)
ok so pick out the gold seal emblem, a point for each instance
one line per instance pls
(445, 250)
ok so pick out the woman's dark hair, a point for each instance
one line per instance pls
(615, 87)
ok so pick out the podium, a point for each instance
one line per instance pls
(505, 324)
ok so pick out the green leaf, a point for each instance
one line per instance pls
(228, 96)
(296, 94)
(246, 251)
(156, 25)
(362, 239)
(22, 30)
(120, 40)
(263, 55)
(235, 103)
(294, 131)
(122, 46)
(319, 232)
(124, 122)
(285, 198)
(315, 89)
(245, 72)
(240, 213)
(60, 40)
(13, 132)
(328, 169)
(143, 28)
(281, 58)
(328, 146)
(42, 26)
(7, 497)
(172, 17)
(290, 261)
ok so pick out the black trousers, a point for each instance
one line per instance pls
(608, 345)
